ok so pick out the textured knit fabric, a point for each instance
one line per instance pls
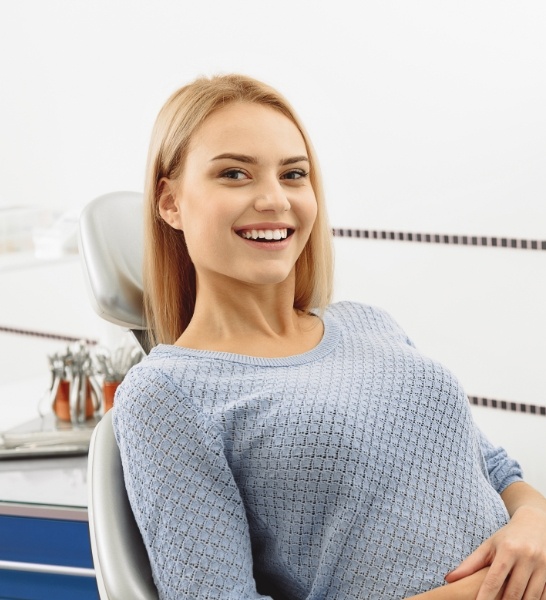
(352, 471)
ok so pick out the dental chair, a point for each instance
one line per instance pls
(111, 250)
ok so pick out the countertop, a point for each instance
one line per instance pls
(42, 487)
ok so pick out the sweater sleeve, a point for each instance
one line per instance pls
(502, 469)
(182, 492)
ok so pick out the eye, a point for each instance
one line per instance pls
(295, 174)
(235, 174)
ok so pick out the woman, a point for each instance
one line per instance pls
(277, 446)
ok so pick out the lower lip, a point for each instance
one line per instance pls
(268, 246)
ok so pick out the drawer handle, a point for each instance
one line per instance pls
(10, 565)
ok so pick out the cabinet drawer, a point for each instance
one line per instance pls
(45, 542)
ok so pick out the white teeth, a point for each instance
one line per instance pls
(265, 234)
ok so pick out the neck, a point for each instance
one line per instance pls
(249, 319)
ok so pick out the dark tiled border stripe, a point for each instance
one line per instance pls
(441, 238)
(532, 409)
(46, 335)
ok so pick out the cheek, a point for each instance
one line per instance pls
(311, 211)
(206, 238)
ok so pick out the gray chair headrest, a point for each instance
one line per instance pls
(111, 240)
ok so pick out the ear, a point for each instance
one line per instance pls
(168, 206)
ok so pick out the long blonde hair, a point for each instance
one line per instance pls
(169, 275)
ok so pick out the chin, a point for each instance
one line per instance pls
(268, 278)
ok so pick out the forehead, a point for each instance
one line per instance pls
(248, 128)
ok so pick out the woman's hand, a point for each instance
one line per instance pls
(516, 555)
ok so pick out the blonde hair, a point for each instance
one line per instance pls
(169, 275)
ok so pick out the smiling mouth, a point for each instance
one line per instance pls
(265, 235)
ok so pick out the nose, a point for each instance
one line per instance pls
(271, 197)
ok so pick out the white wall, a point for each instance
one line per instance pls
(428, 116)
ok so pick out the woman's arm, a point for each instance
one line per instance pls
(516, 553)
(463, 589)
(182, 492)
(521, 494)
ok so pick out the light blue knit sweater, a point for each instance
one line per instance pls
(353, 471)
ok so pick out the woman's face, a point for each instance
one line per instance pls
(244, 199)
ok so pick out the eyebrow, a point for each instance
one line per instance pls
(252, 160)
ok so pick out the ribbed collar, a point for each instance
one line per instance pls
(330, 339)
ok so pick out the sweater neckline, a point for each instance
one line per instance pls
(329, 340)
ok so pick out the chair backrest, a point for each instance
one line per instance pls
(111, 251)
(111, 248)
(120, 558)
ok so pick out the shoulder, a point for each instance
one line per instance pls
(158, 386)
(359, 310)
(145, 385)
(166, 374)
(360, 317)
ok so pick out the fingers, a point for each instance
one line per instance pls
(536, 589)
(480, 558)
(521, 584)
(497, 578)
(527, 579)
